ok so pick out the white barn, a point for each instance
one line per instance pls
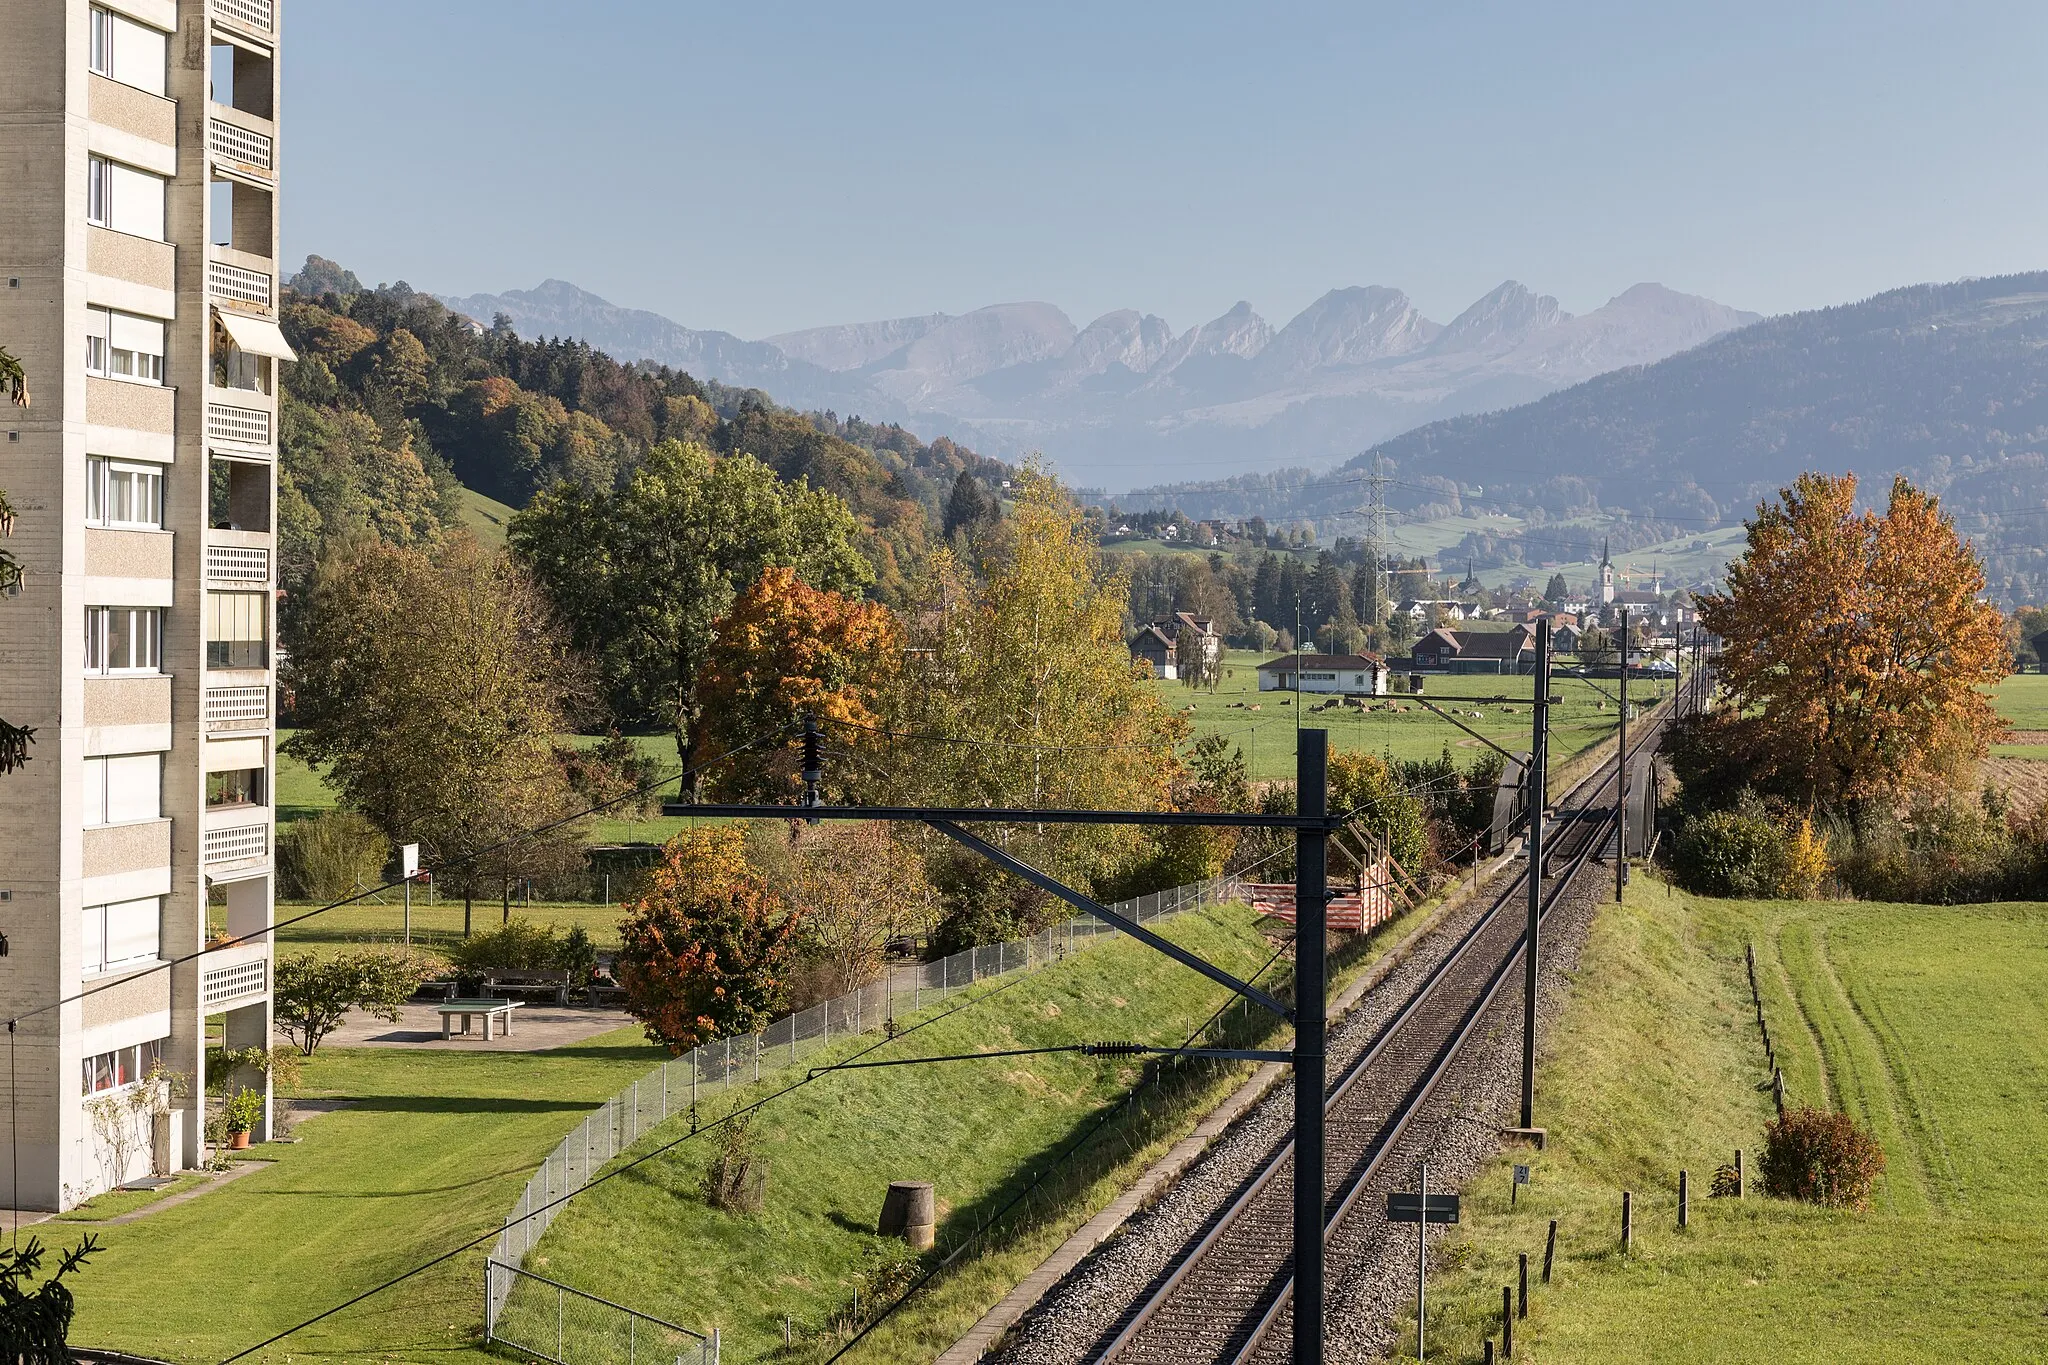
(1359, 674)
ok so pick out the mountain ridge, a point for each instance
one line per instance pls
(1117, 401)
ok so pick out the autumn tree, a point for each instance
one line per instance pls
(1855, 646)
(855, 888)
(642, 576)
(431, 692)
(704, 951)
(1018, 690)
(786, 650)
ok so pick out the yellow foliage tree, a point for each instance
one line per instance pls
(1018, 689)
(1855, 646)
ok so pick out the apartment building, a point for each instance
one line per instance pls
(138, 287)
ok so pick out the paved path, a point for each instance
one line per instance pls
(535, 1028)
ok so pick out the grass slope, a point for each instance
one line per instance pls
(485, 516)
(975, 1129)
(1267, 735)
(1927, 1023)
(431, 1151)
(2023, 700)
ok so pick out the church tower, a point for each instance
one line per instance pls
(1606, 576)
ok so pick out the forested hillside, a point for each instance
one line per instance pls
(396, 403)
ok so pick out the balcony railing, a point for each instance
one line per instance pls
(235, 706)
(235, 843)
(233, 980)
(244, 426)
(243, 562)
(239, 283)
(257, 14)
(233, 143)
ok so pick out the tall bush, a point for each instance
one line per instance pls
(1731, 853)
(330, 856)
(1822, 1158)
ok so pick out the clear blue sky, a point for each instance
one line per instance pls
(759, 167)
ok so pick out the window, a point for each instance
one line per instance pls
(235, 631)
(131, 53)
(235, 787)
(123, 788)
(116, 935)
(122, 1066)
(124, 346)
(124, 639)
(121, 494)
(235, 368)
(124, 199)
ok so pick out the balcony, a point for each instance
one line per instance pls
(238, 284)
(242, 149)
(233, 976)
(240, 707)
(257, 15)
(235, 839)
(237, 425)
(238, 563)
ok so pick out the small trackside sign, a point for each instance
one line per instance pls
(1406, 1206)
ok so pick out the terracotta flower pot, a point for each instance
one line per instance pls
(240, 1140)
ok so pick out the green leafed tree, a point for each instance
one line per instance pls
(314, 994)
(432, 692)
(641, 576)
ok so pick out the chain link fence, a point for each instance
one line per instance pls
(711, 1071)
(548, 1319)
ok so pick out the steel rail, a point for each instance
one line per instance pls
(1575, 806)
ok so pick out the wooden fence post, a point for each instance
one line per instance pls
(1628, 1220)
(1507, 1322)
(1549, 1250)
(1740, 1183)
(1683, 1192)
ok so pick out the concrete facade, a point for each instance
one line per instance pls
(113, 474)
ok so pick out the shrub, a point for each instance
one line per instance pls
(521, 945)
(1731, 853)
(704, 951)
(1806, 864)
(313, 994)
(1822, 1158)
(330, 856)
(244, 1109)
(737, 1178)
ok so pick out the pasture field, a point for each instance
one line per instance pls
(1926, 1023)
(303, 792)
(2022, 700)
(1401, 728)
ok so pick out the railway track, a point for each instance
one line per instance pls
(1225, 1299)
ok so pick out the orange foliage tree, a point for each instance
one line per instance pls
(786, 649)
(1855, 646)
(703, 952)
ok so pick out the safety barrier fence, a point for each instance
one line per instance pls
(683, 1085)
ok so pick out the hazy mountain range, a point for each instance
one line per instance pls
(1127, 401)
(1946, 384)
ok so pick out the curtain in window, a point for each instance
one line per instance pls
(236, 636)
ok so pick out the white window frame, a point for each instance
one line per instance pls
(143, 632)
(112, 55)
(223, 615)
(97, 940)
(99, 187)
(100, 475)
(100, 1074)
(132, 362)
(112, 192)
(101, 805)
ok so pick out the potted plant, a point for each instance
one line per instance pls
(244, 1108)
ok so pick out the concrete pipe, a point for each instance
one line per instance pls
(910, 1211)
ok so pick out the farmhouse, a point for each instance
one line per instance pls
(1158, 651)
(1474, 651)
(1361, 673)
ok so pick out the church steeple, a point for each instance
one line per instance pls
(1606, 575)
